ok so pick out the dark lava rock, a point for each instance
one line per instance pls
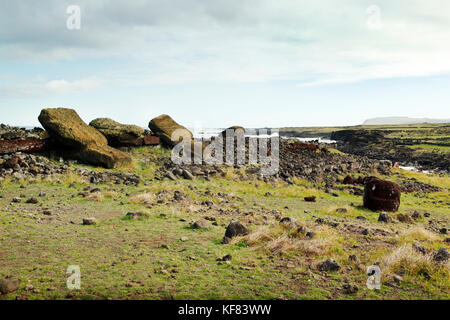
(350, 288)
(310, 235)
(32, 201)
(384, 217)
(381, 195)
(441, 255)
(236, 229)
(416, 215)
(136, 215)
(228, 257)
(419, 248)
(89, 221)
(310, 199)
(329, 265)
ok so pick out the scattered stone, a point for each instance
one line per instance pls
(9, 285)
(384, 217)
(188, 175)
(427, 215)
(201, 224)
(236, 229)
(164, 246)
(350, 288)
(228, 257)
(443, 231)
(136, 215)
(404, 218)
(29, 287)
(287, 221)
(17, 200)
(361, 218)
(89, 221)
(184, 239)
(419, 248)
(341, 210)
(329, 265)
(47, 212)
(310, 199)
(32, 201)
(226, 240)
(416, 215)
(310, 234)
(442, 255)
(397, 278)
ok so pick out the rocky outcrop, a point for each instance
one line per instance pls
(12, 133)
(118, 134)
(15, 139)
(83, 142)
(24, 145)
(164, 126)
(381, 195)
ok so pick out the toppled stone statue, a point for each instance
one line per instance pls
(81, 141)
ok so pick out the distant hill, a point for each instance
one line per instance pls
(402, 120)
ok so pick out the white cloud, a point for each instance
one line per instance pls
(312, 42)
(40, 87)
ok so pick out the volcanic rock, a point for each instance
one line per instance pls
(117, 134)
(164, 126)
(381, 195)
(85, 142)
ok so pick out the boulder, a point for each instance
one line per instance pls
(84, 142)
(9, 285)
(404, 218)
(164, 126)
(117, 134)
(381, 195)
(442, 255)
(328, 265)
(201, 224)
(384, 217)
(89, 221)
(236, 229)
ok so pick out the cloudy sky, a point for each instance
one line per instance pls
(216, 63)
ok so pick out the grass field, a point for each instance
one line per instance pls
(162, 257)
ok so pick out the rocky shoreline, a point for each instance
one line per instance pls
(374, 145)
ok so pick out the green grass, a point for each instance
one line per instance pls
(123, 259)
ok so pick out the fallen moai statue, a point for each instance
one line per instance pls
(81, 141)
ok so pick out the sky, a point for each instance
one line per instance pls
(218, 63)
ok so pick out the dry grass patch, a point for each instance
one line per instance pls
(279, 239)
(405, 260)
(145, 198)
